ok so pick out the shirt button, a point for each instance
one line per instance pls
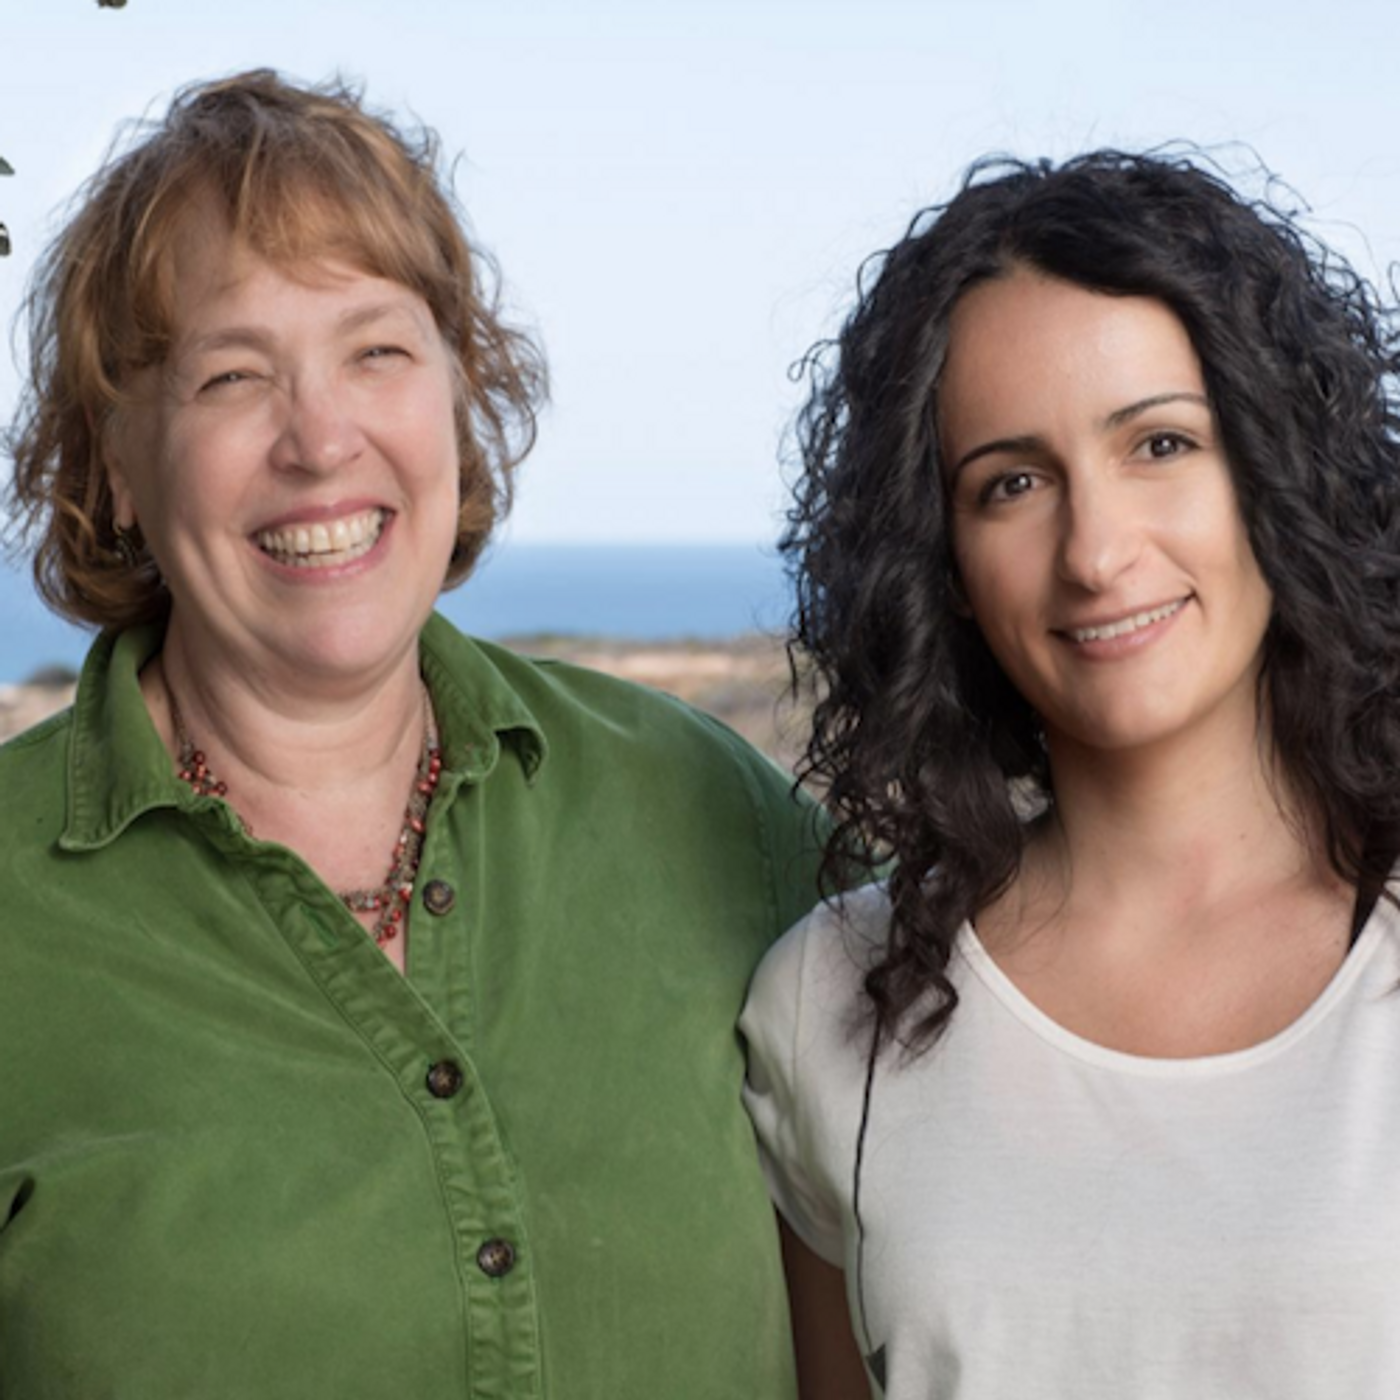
(496, 1258)
(444, 1079)
(438, 896)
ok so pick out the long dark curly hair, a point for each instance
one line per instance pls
(927, 753)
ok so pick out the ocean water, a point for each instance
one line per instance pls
(633, 592)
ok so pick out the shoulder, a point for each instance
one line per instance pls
(806, 1036)
(814, 974)
(32, 764)
(33, 807)
(565, 693)
(668, 774)
(53, 727)
(714, 773)
(566, 699)
(583, 712)
(842, 937)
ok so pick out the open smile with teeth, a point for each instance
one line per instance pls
(1124, 625)
(324, 544)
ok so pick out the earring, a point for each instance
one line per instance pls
(128, 551)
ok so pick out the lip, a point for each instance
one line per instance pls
(1128, 642)
(318, 515)
(325, 574)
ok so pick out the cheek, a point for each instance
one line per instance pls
(1006, 602)
(1220, 535)
(192, 478)
(1257, 596)
(445, 475)
(440, 466)
(1002, 626)
(1000, 573)
(430, 422)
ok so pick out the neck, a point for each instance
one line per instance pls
(342, 776)
(300, 733)
(1206, 820)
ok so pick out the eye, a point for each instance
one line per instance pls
(1006, 487)
(1161, 446)
(227, 378)
(382, 352)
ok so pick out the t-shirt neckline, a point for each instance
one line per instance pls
(1010, 997)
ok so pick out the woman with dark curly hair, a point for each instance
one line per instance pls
(1097, 549)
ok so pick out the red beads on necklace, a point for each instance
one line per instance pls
(194, 769)
(389, 901)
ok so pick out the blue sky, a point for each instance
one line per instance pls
(679, 192)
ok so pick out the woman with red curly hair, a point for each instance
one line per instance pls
(367, 993)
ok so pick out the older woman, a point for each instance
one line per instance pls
(366, 992)
(1099, 553)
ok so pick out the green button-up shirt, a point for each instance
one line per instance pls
(240, 1155)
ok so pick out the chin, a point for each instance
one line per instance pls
(349, 645)
(1123, 732)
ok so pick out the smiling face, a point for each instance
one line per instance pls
(293, 464)
(1095, 524)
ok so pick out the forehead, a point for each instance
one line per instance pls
(216, 276)
(1027, 351)
(204, 257)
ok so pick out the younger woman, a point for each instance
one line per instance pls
(1098, 558)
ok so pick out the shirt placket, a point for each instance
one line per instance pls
(408, 1023)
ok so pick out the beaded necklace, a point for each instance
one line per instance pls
(389, 900)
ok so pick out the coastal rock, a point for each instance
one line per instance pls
(740, 682)
(22, 706)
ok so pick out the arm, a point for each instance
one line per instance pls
(828, 1361)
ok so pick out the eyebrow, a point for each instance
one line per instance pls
(987, 449)
(1119, 416)
(253, 338)
(231, 338)
(378, 311)
(1032, 442)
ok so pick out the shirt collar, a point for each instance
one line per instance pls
(118, 766)
(476, 705)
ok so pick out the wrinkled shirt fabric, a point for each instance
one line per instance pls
(242, 1156)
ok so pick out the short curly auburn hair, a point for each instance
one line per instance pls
(302, 174)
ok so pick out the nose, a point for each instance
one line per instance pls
(319, 433)
(1100, 537)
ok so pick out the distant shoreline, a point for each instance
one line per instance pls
(741, 681)
(579, 595)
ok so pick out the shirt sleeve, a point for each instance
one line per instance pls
(791, 829)
(771, 1025)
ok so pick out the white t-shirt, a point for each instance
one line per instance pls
(1048, 1218)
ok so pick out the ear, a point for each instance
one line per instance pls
(109, 446)
(123, 507)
